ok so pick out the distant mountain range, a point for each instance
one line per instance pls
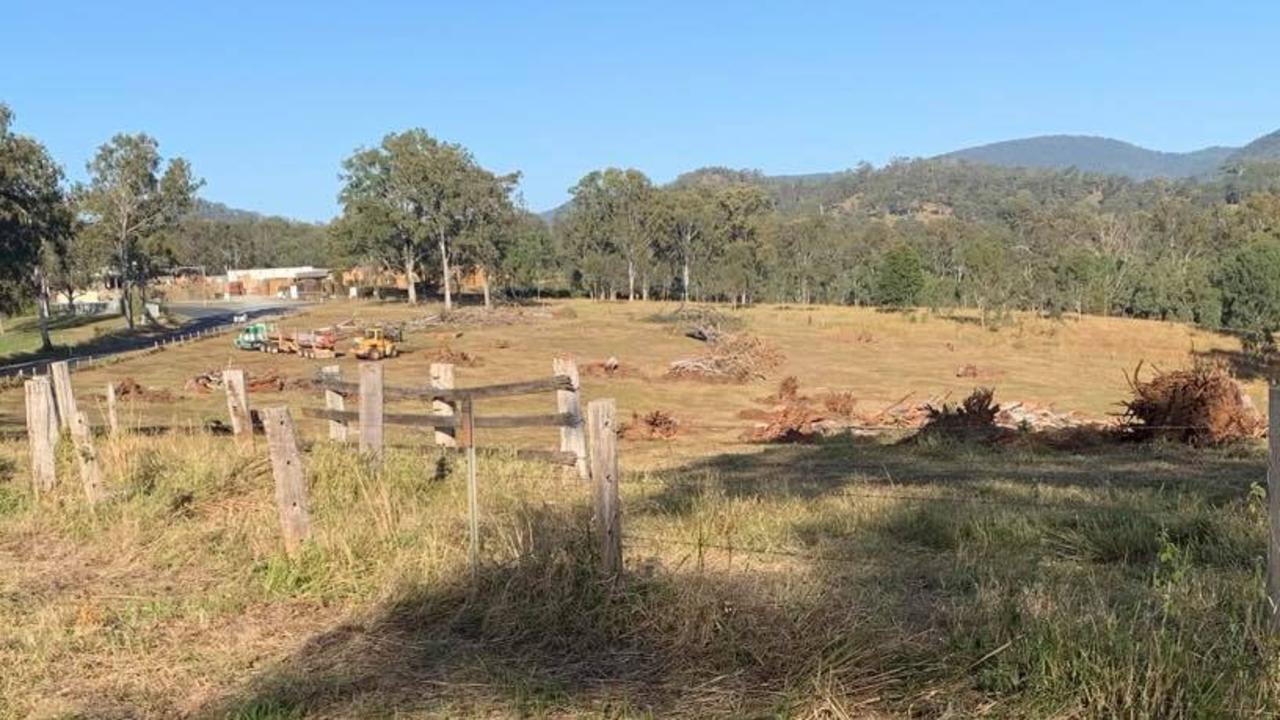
(1116, 157)
(1100, 155)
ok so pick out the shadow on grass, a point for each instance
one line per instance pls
(850, 464)
(124, 340)
(546, 635)
(923, 609)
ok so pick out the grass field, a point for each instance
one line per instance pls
(847, 578)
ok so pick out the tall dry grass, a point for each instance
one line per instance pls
(818, 593)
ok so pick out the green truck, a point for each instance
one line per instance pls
(255, 336)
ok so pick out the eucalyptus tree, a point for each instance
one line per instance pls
(132, 200)
(588, 230)
(531, 258)
(614, 207)
(414, 193)
(739, 210)
(34, 222)
(686, 215)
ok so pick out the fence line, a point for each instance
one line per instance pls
(602, 431)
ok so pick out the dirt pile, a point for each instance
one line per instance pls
(1203, 405)
(446, 354)
(730, 358)
(130, 389)
(790, 423)
(794, 418)
(653, 425)
(610, 367)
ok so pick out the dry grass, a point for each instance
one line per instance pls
(846, 578)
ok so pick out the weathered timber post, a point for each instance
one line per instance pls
(113, 417)
(238, 404)
(371, 409)
(333, 400)
(42, 433)
(573, 438)
(441, 378)
(291, 482)
(87, 458)
(63, 394)
(467, 438)
(603, 432)
(1273, 505)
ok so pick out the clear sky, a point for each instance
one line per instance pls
(266, 98)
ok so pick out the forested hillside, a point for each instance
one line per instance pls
(941, 233)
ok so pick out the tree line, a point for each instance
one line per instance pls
(936, 233)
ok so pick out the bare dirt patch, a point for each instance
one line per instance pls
(446, 354)
(610, 367)
(130, 389)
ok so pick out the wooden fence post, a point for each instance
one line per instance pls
(371, 409)
(573, 438)
(113, 417)
(42, 433)
(1273, 504)
(63, 394)
(467, 438)
(87, 457)
(602, 428)
(441, 378)
(333, 400)
(238, 404)
(291, 483)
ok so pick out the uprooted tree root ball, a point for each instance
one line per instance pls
(974, 419)
(797, 418)
(1203, 405)
(653, 425)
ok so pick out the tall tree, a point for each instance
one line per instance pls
(618, 204)
(34, 221)
(738, 211)
(686, 213)
(413, 192)
(132, 199)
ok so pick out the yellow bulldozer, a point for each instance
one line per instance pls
(376, 343)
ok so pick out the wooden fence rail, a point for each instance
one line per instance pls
(450, 421)
(453, 417)
(529, 387)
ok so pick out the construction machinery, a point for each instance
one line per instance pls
(263, 337)
(377, 342)
(309, 343)
(255, 336)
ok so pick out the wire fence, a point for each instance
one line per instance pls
(701, 546)
(953, 499)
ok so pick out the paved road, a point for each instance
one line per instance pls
(201, 317)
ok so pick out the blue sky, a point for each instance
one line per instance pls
(266, 98)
